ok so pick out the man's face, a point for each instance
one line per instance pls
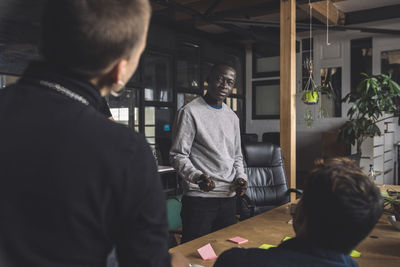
(221, 83)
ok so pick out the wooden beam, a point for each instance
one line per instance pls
(225, 5)
(321, 12)
(374, 14)
(288, 89)
(187, 2)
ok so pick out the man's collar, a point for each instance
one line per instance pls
(42, 71)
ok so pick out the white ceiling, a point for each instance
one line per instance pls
(356, 5)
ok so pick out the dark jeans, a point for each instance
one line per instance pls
(201, 216)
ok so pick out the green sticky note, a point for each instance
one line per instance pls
(355, 254)
(266, 246)
(286, 238)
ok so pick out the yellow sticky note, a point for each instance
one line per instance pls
(355, 254)
(266, 246)
(286, 238)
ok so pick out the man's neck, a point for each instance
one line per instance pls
(100, 83)
(211, 101)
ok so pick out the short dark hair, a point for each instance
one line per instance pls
(341, 204)
(87, 36)
(217, 66)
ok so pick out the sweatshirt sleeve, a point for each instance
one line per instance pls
(238, 164)
(183, 134)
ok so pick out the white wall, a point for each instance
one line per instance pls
(337, 54)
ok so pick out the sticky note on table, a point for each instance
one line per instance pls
(238, 240)
(207, 252)
(266, 246)
(355, 254)
(286, 238)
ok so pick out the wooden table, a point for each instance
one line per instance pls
(382, 249)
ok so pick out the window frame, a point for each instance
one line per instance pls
(254, 99)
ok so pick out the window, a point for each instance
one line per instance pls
(184, 98)
(361, 60)
(124, 107)
(188, 67)
(390, 64)
(164, 82)
(157, 76)
(266, 80)
(266, 100)
(205, 72)
(332, 106)
(157, 128)
(7, 80)
(266, 61)
(188, 75)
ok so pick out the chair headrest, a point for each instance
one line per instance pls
(262, 155)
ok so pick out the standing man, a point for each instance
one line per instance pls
(206, 152)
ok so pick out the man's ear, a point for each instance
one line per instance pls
(118, 71)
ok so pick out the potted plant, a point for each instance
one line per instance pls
(311, 96)
(373, 97)
(394, 201)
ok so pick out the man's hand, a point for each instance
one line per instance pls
(240, 186)
(205, 183)
(178, 260)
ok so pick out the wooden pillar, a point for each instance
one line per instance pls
(288, 89)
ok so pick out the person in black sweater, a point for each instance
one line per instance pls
(339, 208)
(74, 184)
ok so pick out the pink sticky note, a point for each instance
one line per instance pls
(238, 240)
(207, 252)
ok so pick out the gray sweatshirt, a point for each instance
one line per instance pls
(207, 140)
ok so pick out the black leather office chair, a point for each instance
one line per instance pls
(249, 138)
(267, 180)
(273, 138)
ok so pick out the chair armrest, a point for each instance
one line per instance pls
(249, 204)
(295, 190)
